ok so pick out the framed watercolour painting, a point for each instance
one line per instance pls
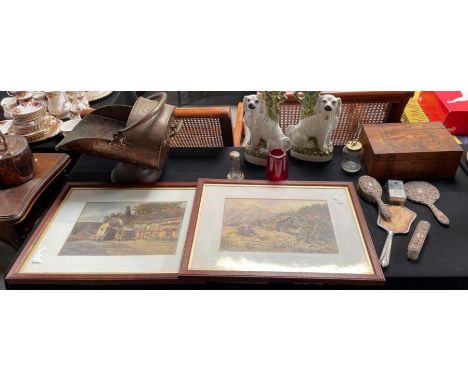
(109, 233)
(288, 231)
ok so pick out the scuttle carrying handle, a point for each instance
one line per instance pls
(119, 135)
(162, 97)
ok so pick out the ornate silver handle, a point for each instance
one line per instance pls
(384, 211)
(385, 255)
(440, 216)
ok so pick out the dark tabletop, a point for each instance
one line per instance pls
(443, 261)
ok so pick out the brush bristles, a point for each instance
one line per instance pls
(365, 196)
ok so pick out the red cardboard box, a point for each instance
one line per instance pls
(450, 108)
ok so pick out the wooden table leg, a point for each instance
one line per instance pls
(11, 235)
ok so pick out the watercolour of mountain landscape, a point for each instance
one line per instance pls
(270, 225)
(115, 228)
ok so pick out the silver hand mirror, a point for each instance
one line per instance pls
(425, 193)
(400, 223)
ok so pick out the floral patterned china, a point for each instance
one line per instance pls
(48, 127)
(28, 108)
(39, 96)
(29, 112)
(23, 96)
(32, 121)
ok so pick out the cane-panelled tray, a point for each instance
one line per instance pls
(259, 231)
(104, 233)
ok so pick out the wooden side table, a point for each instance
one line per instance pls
(17, 203)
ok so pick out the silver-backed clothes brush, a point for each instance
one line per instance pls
(371, 190)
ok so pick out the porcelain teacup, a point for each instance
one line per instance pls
(8, 103)
(23, 96)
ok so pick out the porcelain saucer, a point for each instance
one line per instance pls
(68, 126)
(27, 109)
(5, 125)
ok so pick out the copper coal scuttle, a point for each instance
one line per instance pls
(138, 137)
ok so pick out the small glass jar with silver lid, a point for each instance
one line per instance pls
(352, 155)
(235, 171)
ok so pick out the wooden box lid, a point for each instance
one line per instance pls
(401, 141)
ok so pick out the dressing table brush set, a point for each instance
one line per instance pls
(140, 230)
(406, 151)
(396, 218)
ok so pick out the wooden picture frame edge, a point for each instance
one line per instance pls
(15, 277)
(377, 278)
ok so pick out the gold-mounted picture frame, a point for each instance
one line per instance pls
(106, 233)
(260, 231)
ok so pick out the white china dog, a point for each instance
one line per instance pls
(263, 133)
(311, 137)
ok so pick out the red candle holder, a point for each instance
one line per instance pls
(277, 165)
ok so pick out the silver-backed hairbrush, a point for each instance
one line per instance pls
(371, 190)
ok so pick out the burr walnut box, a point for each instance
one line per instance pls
(410, 150)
